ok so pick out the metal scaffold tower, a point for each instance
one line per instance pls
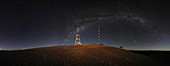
(98, 34)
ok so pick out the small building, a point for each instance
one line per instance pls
(77, 40)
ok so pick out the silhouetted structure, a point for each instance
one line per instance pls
(100, 44)
(120, 46)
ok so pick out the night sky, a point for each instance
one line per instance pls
(135, 24)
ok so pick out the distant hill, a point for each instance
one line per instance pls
(74, 55)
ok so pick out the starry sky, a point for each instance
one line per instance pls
(134, 24)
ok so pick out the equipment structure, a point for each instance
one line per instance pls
(77, 40)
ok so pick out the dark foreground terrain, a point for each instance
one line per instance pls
(162, 57)
(74, 55)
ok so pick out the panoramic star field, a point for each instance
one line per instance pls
(133, 24)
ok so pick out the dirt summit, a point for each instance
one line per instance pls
(74, 55)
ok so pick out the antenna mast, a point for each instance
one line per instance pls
(98, 34)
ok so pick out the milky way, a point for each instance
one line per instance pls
(132, 24)
(141, 27)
